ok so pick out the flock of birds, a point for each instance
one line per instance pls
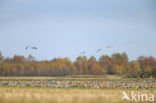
(83, 84)
(98, 50)
(82, 53)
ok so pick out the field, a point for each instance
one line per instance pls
(51, 95)
(41, 94)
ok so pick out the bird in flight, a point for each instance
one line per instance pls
(34, 48)
(27, 47)
(109, 46)
(82, 53)
(98, 50)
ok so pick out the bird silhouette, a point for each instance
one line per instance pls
(82, 53)
(28, 47)
(34, 48)
(110, 46)
(98, 50)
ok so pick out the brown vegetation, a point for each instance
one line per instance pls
(117, 64)
(48, 95)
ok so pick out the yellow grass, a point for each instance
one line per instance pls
(26, 77)
(51, 95)
(89, 77)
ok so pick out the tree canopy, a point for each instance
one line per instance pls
(116, 64)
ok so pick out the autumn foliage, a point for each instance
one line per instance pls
(116, 64)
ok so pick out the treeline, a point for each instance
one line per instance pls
(116, 64)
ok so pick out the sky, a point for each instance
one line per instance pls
(65, 28)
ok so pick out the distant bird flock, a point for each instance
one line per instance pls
(98, 50)
(82, 84)
(82, 53)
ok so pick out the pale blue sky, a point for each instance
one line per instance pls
(65, 28)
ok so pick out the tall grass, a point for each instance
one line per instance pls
(51, 95)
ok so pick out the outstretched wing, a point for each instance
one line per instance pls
(34, 48)
(27, 47)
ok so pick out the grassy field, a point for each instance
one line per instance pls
(74, 77)
(17, 94)
(51, 95)
(69, 77)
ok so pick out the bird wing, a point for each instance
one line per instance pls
(27, 47)
(35, 48)
(109, 46)
(98, 50)
(82, 53)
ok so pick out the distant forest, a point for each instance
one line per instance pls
(116, 64)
